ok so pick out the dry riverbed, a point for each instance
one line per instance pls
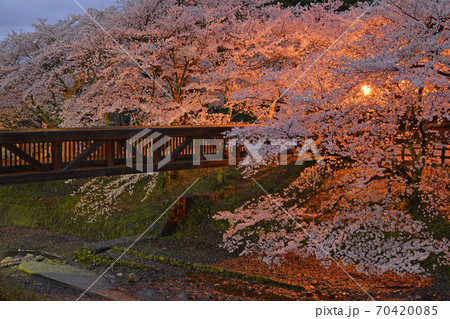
(193, 269)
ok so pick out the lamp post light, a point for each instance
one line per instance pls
(366, 90)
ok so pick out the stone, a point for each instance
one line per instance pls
(133, 278)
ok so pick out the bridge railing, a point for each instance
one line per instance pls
(439, 155)
(51, 154)
(38, 155)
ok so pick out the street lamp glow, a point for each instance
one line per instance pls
(366, 89)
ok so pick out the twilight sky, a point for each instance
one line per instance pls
(20, 14)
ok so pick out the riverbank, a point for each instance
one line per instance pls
(163, 279)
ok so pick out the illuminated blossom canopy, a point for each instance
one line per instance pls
(365, 83)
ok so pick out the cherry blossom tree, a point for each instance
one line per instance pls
(383, 90)
(162, 60)
(45, 68)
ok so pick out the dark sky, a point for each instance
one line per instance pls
(20, 14)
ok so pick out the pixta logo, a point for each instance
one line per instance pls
(148, 151)
(144, 146)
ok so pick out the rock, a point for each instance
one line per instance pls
(133, 278)
(111, 278)
(119, 274)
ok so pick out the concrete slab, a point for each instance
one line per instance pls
(68, 275)
(77, 278)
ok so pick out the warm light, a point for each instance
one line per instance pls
(366, 89)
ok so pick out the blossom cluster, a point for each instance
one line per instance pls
(99, 196)
(327, 214)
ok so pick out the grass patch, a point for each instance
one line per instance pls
(49, 205)
(88, 256)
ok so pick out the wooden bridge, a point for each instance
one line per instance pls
(54, 154)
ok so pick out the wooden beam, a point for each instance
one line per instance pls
(83, 156)
(27, 158)
(10, 179)
(107, 133)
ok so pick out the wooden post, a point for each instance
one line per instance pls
(57, 155)
(238, 151)
(110, 154)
